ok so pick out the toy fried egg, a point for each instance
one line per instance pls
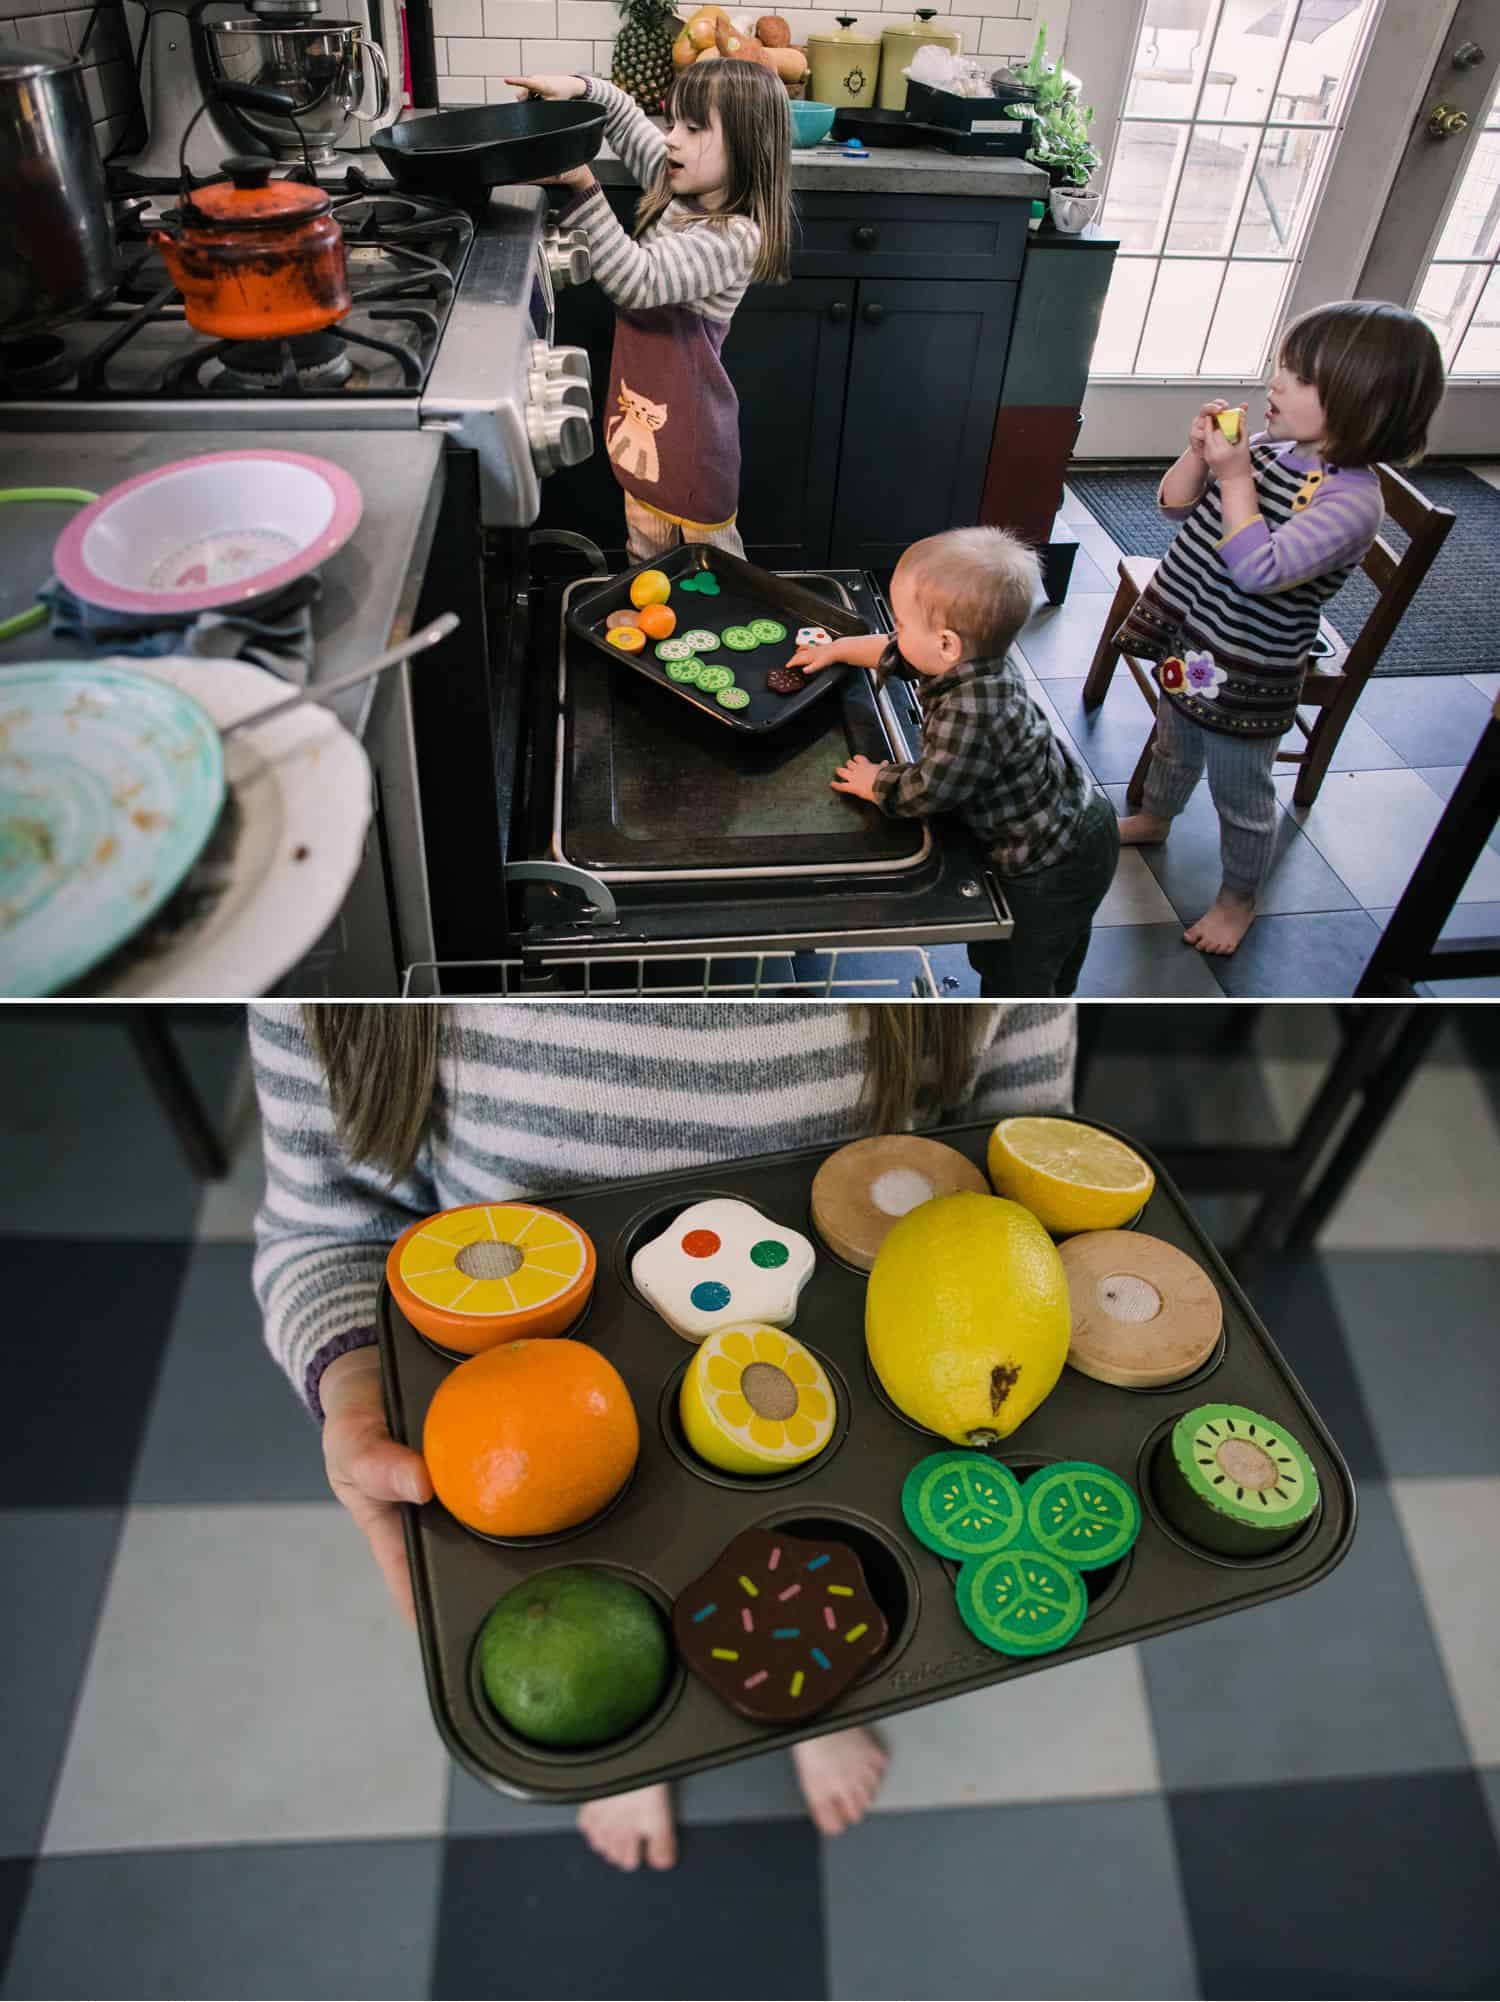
(814, 636)
(720, 1262)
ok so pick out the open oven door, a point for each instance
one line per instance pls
(646, 831)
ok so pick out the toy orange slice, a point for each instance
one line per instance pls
(489, 1273)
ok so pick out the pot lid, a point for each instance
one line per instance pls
(843, 34)
(922, 27)
(249, 199)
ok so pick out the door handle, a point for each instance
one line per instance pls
(838, 312)
(866, 237)
(874, 313)
(1445, 120)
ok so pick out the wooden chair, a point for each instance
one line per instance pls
(1335, 682)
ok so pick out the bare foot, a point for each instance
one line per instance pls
(1143, 830)
(629, 1825)
(840, 1776)
(1223, 924)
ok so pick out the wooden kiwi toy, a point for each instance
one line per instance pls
(472, 1278)
(866, 1188)
(1144, 1314)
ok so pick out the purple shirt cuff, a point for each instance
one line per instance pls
(340, 1345)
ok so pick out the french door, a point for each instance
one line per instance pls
(1265, 156)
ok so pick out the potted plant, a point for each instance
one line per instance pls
(1060, 142)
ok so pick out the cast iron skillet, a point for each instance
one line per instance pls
(456, 155)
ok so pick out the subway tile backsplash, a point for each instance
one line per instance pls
(108, 68)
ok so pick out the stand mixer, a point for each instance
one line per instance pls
(324, 66)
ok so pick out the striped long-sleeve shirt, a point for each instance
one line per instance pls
(534, 1100)
(1231, 618)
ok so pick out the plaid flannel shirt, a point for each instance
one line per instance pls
(990, 756)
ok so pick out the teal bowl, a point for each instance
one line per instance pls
(810, 122)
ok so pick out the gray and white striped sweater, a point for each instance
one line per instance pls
(533, 1100)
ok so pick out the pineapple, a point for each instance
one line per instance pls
(643, 52)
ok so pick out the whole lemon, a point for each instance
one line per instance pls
(966, 1316)
(652, 587)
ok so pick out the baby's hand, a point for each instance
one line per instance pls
(1227, 461)
(1203, 423)
(857, 775)
(812, 659)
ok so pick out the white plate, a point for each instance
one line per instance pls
(273, 878)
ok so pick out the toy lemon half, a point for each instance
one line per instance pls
(488, 1273)
(754, 1401)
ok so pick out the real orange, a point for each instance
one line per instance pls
(530, 1438)
(657, 622)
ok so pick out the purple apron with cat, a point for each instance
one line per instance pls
(672, 423)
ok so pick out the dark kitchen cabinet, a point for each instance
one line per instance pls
(868, 385)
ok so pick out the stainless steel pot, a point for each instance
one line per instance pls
(334, 70)
(56, 242)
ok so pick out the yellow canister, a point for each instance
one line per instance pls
(845, 65)
(899, 44)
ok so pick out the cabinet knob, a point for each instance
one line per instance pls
(838, 312)
(866, 236)
(874, 313)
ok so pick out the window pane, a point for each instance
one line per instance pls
(1124, 309)
(1249, 308)
(1178, 319)
(1140, 184)
(1169, 58)
(1209, 198)
(1255, 73)
(1473, 225)
(1444, 301)
(1276, 212)
(1480, 353)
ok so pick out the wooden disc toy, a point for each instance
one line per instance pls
(487, 1273)
(1144, 1313)
(860, 1192)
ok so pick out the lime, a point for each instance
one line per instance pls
(574, 1657)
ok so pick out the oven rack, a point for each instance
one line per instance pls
(835, 973)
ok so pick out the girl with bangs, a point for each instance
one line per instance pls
(715, 215)
(1271, 527)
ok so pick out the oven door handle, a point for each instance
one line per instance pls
(597, 900)
(569, 538)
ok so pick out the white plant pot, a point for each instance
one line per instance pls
(1073, 209)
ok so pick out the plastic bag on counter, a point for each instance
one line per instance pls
(942, 69)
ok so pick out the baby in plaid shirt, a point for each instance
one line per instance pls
(989, 754)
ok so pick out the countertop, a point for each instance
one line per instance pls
(369, 588)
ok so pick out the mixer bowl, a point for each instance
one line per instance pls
(332, 69)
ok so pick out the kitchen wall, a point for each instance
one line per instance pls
(479, 42)
(108, 73)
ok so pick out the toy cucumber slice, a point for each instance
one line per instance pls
(962, 1505)
(684, 670)
(1233, 1481)
(732, 698)
(1081, 1513)
(700, 640)
(768, 631)
(712, 678)
(1021, 1601)
(740, 639)
(678, 649)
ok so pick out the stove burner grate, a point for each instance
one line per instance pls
(42, 362)
(314, 361)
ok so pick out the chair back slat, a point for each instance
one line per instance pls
(1380, 564)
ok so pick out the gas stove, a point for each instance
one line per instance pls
(450, 328)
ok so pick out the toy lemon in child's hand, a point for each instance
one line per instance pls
(650, 588)
(1070, 1176)
(1229, 423)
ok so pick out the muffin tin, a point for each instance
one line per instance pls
(675, 1516)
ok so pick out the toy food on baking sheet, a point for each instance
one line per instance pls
(574, 1657)
(657, 622)
(629, 639)
(779, 1626)
(962, 1505)
(487, 1273)
(622, 619)
(705, 583)
(530, 1438)
(1144, 1314)
(1082, 1513)
(651, 587)
(814, 636)
(1072, 1176)
(786, 681)
(861, 1191)
(1020, 1601)
(720, 1262)
(1234, 1481)
(966, 1316)
(755, 1401)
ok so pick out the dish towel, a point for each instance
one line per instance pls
(275, 633)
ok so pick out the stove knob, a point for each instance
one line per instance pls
(567, 254)
(550, 362)
(558, 395)
(560, 436)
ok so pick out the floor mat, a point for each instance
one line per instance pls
(1449, 626)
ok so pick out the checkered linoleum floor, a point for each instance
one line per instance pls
(220, 1775)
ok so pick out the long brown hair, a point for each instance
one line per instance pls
(1378, 371)
(752, 105)
(381, 1063)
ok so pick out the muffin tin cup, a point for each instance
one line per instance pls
(671, 1522)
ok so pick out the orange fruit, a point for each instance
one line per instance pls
(652, 587)
(530, 1438)
(486, 1273)
(657, 622)
(629, 639)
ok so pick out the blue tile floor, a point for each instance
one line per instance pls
(222, 1778)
